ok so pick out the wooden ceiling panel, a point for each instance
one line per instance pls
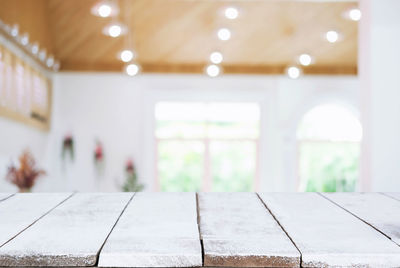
(32, 17)
(267, 35)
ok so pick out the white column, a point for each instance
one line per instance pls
(379, 72)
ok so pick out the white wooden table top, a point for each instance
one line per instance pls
(195, 230)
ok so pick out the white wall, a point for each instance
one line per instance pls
(379, 57)
(118, 110)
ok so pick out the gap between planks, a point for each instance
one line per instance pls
(283, 229)
(369, 224)
(390, 196)
(7, 197)
(348, 211)
(199, 228)
(115, 224)
(35, 221)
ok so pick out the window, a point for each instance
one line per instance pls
(207, 146)
(329, 149)
(24, 91)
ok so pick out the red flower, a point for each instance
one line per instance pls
(98, 152)
(129, 167)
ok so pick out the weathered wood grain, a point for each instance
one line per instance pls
(238, 231)
(393, 195)
(156, 230)
(380, 211)
(22, 210)
(70, 235)
(327, 235)
(4, 196)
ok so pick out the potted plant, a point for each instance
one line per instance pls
(131, 183)
(25, 175)
(68, 147)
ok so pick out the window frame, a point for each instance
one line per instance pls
(206, 185)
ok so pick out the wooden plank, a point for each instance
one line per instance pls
(4, 196)
(380, 211)
(393, 195)
(238, 231)
(327, 235)
(156, 230)
(70, 235)
(20, 211)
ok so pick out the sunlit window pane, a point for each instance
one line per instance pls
(233, 112)
(329, 149)
(328, 166)
(180, 165)
(211, 120)
(180, 129)
(232, 130)
(330, 122)
(180, 120)
(233, 166)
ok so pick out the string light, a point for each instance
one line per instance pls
(126, 55)
(353, 14)
(42, 54)
(132, 69)
(35, 48)
(115, 29)
(50, 61)
(216, 57)
(332, 36)
(32, 49)
(14, 30)
(56, 65)
(305, 59)
(105, 9)
(293, 72)
(231, 13)
(213, 70)
(24, 39)
(224, 34)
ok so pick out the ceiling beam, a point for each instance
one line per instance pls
(316, 1)
(199, 68)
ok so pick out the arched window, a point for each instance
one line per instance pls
(329, 139)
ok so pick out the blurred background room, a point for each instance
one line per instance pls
(199, 95)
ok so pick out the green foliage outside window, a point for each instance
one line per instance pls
(329, 166)
(211, 144)
(233, 166)
(180, 165)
